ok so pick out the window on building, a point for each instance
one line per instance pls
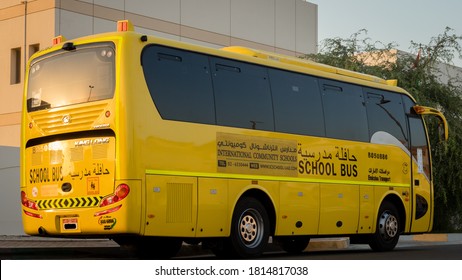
(15, 69)
(33, 49)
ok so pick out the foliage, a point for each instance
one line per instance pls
(419, 73)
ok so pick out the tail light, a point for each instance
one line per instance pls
(120, 193)
(26, 202)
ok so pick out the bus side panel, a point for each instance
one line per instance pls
(422, 197)
(213, 219)
(299, 209)
(171, 206)
(366, 209)
(339, 209)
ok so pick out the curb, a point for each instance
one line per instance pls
(328, 244)
(433, 237)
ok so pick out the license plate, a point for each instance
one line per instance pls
(70, 224)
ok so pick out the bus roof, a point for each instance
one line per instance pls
(125, 28)
(308, 64)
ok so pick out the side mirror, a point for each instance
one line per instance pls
(443, 124)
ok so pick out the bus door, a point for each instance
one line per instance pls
(421, 186)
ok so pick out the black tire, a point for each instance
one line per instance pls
(388, 228)
(294, 244)
(250, 229)
(150, 247)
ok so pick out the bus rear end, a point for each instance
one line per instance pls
(69, 184)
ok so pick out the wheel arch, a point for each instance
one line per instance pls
(398, 203)
(267, 202)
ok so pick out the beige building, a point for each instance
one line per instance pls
(446, 73)
(282, 26)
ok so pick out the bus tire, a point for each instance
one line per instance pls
(294, 244)
(250, 228)
(388, 228)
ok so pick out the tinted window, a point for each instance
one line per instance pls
(180, 84)
(385, 113)
(193, 87)
(297, 103)
(344, 111)
(419, 145)
(408, 104)
(242, 95)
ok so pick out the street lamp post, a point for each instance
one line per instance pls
(25, 32)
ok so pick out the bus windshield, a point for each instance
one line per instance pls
(68, 77)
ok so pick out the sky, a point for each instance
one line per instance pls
(389, 21)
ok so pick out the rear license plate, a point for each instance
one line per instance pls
(70, 224)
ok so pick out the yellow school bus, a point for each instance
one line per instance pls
(153, 142)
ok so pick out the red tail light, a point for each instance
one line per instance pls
(120, 193)
(27, 202)
(108, 211)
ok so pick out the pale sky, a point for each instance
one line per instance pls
(389, 21)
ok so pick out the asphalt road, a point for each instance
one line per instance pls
(407, 249)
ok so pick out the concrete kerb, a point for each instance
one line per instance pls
(435, 237)
(341, 243)
(328, 243)
(319, 244)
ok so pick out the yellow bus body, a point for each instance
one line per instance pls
(310, 185)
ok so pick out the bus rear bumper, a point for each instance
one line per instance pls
(102, 219)
(68, 222)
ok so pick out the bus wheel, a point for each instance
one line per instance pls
(294, 244)
(388, 228)
(250, 228)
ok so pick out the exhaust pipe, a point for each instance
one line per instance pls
(42, 231)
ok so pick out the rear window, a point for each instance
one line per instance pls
(64, 78)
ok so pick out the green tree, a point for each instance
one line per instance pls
(417, 72)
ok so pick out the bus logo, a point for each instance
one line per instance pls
(66, 119)
(88, 142)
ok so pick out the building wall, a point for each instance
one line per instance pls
(10, 210)
(40, 29)
(284, 26)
